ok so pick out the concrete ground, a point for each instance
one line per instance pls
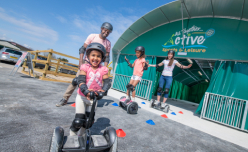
(188, 118)
(28, 116)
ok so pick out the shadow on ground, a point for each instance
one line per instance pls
(178, 103)
(28, 116)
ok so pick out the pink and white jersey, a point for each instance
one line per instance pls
(93, 77)
(95, 38)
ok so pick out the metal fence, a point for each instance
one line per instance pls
(142, 90)
(225, 110)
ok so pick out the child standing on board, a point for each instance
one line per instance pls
(139, 66)
(93, 77)
(166, 77)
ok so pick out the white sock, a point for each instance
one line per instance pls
(127, 97)
(133, 98)
(72, 133)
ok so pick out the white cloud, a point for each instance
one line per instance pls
(61, 19)
(1, 9)
(3, 37)
(25, 45)
(126, 9)
(92, 19)
(86, 26)
(92, 22)
(77, 38)
(42, 33)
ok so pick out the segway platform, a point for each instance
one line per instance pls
(131, 106)
(157, 106)
(86, 143)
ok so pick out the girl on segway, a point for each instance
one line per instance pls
(90, 79)
(169, 64)
(139, 66)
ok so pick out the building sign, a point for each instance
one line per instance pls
(193, 40)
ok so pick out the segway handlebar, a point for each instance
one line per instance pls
(95, 97)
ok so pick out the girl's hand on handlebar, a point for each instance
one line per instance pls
(88, 95)
(189, 65)
(99, 91)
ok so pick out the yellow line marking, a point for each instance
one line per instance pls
(198, 33)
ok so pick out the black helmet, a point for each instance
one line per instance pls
(141, 49)
(96, 46)
(108, 26)
(171, 51)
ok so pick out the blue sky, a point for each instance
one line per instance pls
(64, 25)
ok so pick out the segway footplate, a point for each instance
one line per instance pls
(99, 140)
(166, 109)
(71, 142)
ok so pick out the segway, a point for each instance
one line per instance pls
(131, 106)
(86, 143)
(157, 105)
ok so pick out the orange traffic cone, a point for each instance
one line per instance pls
(73, 105)
(120, 133)
(164, 115)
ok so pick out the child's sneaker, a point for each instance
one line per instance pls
(156, 102)
(163, 105)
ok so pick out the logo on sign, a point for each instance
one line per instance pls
(192, 38)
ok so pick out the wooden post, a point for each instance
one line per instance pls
(47, 64)
(35, 57)
(109, 70)
(57, 67)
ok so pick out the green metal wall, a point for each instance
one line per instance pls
(206, 38)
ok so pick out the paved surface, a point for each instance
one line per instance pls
(189, 119)
(28, 116)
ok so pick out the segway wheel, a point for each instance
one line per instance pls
(57, 140)
(132, 108)
(152, 103)
(110, 135)
(120, 104)
(166, 109)
(113, 148)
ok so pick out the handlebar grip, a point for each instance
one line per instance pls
(100, 95)
(92, 95)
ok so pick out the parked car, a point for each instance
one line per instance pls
(11, 55)
(69, 71)
(40, 65)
